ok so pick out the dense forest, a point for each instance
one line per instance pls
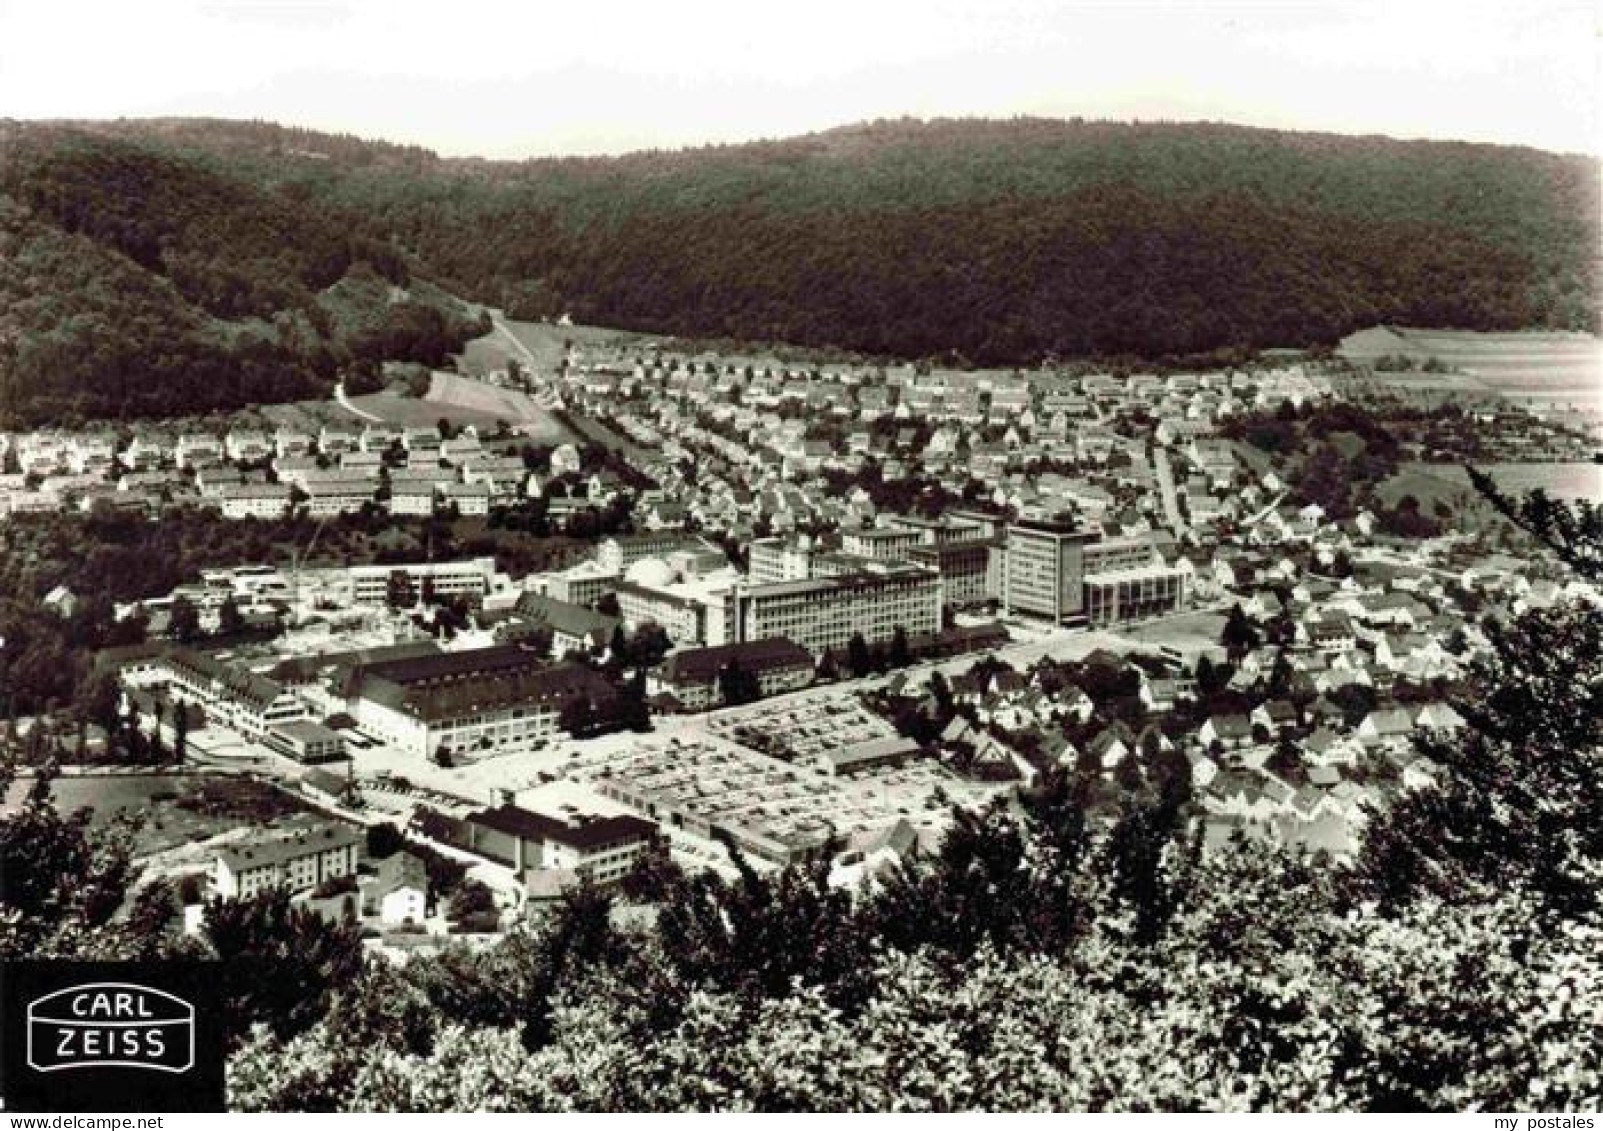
(139, 283)
(989, 241)
(1002, 241)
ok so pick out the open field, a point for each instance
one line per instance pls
(1541, 369)
(211, 804)
(540, 344)
(455, 393)
(462, 401)
(409, 412)
(1561, 480)
(1433, 483)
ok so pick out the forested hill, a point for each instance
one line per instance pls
(139, 282)
(995, 241)
(1002, 241)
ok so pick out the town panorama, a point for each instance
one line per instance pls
(570, 716)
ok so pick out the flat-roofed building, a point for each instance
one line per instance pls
(884, 543)
(682, 617)
(374, 585)
(1043, 569)
(779, 559)
(618, 553)
(306, 741)
(584, 584)
(603, 849)
(1067, 573)
(1136, 592)
(948, 528)
(964, 568)
(823, 614)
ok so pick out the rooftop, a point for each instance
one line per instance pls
(280, 848)
(591, 833)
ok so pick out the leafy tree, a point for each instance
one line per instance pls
(278, 964)
(180, 733)
(1238, 635)
(899, 655)
(578, 716)
(649, 646)
(736, 685)
(230, 622)
(384, 840)
(61, 880)
(184, 621)
(858, 659)
(471, 898)
(1572, 531)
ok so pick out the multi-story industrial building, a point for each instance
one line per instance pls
(779, 559)
(885, 543)
(499, 700)
(682, 617)
(584, 584)
(241, 700)
(374, 585)
(822, 614)
(618, 553)
(964, 569)
(603, 849)
(1043, 569)
(1069, 574)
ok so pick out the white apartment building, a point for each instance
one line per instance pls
(254, 500)
(298, 861)
(371, 585)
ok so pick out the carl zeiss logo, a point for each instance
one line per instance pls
(111, 1025)
(118, 1036)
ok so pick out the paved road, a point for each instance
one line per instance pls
(345, 403)
(528, 355)
(1171, 505)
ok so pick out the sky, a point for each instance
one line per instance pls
(526, 78)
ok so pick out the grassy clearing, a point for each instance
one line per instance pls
(545, 341)
(1433, 486)
(410, 412)
(173, 809)
(1538, 366)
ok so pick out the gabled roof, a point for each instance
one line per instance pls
(1391, 721)
(565, 617)
(1231, 726)
(702, 665)
(281, 848)
(592, 833)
